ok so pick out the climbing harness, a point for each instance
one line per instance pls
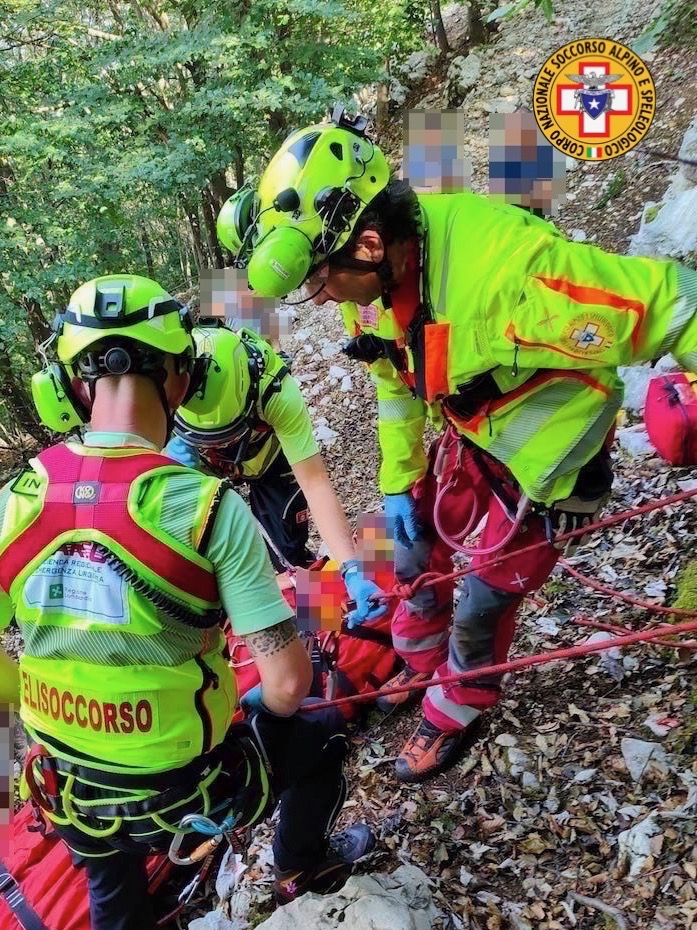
(516, 512)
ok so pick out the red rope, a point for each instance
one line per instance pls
(620, 595)
(615, 628)
(517, 665)
(407, 591)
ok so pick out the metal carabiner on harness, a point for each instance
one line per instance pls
(207, 827)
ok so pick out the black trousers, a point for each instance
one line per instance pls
(279, 504)
(304, 757)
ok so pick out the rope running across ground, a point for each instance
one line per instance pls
(620, 637)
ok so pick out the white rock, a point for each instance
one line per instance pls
(464, 72)
(326, 435)
(335, 371)
(506, 739)
(501, 104)
(416, 67)
(577, 235)
(635, 441)
(398, 92)
(584, 775)
(400, 901)
(216, 920)
(635, 845)
(330, 348)
(688, 151)
(305, 376)
(667, 363)
(668, 231)
(346, 384)
(636, 384)
(637, 754)
(529, 780)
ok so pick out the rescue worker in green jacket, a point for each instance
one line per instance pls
(483, 314)
(248, 422)
(118, 563)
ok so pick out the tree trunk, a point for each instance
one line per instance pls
(477, 31)
(211, 232)
(239, 167)
(196, 240)
(219, 190)
(439, 27)
(147, 252)
(36, 321)
(382, 115)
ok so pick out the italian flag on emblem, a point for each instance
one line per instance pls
(593, 151)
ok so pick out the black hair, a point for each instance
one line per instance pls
(394, 214)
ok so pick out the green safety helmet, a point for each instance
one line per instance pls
(113, 325)
(235, 218)
(123, 305)
(218, 414)
(308, 201)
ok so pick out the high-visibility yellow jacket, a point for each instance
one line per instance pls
(548, 321)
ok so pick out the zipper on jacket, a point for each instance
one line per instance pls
(516, 347)
(210, 680)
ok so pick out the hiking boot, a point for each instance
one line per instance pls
(353, 843)
(427, 751)
(326, 877)
(345, 848)
(406, 677)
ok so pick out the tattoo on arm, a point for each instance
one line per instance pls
(274, 639)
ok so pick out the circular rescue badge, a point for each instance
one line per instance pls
(594, 99)
(587, 335)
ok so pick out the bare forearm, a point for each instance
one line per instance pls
(284, 667)
(327, 512)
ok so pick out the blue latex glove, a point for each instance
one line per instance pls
(183, 452)
(361, 589)
(251, 702)
(400, 510)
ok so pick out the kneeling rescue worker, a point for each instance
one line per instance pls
(486, 315)
(248, 421)
(118, 563)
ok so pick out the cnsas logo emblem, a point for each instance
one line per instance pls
(86, 492)
(594, 99)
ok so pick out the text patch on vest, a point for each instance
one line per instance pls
(127, 713)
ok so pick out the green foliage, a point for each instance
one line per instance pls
(614, 189)
(687, 588)
(125, 126)
(675, 24)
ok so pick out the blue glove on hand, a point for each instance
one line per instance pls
(362, 591)
(183, 452)
(400, 510)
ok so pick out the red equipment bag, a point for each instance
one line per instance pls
(40, 888)
(670, 415)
